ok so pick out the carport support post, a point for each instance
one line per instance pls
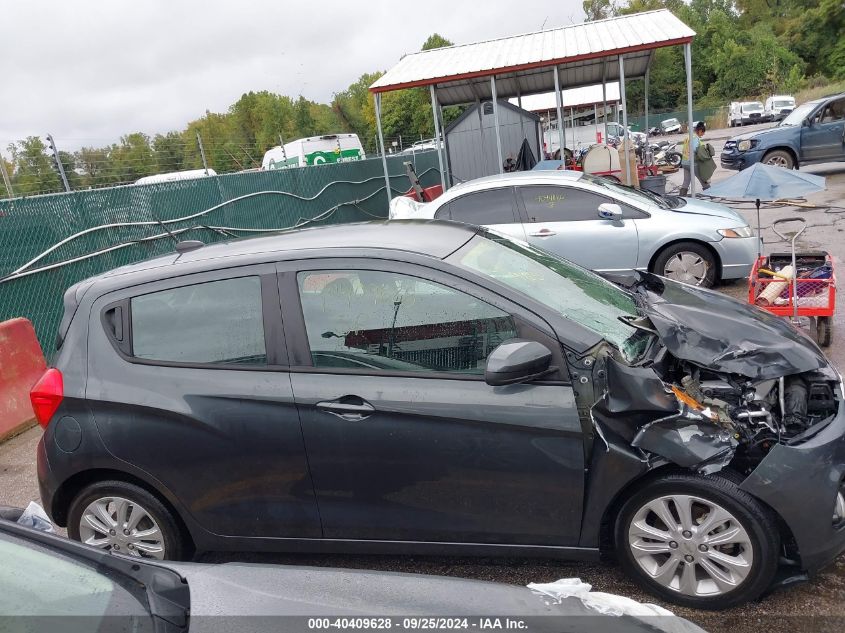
(560, 131)
(438, 142)
(647, 69)
(604, 97)
(625, 136)
(690, 131)
(377, 100)
(496, 122)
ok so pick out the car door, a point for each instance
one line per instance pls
(494, 208)
(565, 221)
(405, 440)
(824, 138)
(188, 383)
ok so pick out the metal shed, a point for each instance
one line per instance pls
(471, 138)
(582, 54)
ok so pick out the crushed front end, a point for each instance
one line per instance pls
(726, 387)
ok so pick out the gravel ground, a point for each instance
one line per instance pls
(818, 605)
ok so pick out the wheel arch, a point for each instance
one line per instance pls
(70, 488)
(693, 240)
(607, 543)
(783, 148)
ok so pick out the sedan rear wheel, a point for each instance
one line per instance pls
(698, 541)
(687, 262)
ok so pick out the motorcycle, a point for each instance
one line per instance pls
(666, 154)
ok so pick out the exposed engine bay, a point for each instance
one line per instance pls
(709, 392)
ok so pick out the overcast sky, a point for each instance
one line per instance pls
(90, 71)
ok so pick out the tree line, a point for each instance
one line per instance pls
(742, 48)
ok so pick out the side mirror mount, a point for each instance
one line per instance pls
(516, 361)
(610, 211)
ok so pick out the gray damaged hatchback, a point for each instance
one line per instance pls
(429, 387)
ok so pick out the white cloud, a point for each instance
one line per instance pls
(90, 71)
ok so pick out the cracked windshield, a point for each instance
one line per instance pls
(577, 294)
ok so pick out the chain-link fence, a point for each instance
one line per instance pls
(48, 243)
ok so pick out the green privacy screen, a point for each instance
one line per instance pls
(48, 243)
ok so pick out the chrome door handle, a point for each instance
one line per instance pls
(542, 233)
(348, 408)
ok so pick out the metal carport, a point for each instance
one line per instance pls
(618, 48)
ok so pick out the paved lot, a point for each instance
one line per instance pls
(815, 606)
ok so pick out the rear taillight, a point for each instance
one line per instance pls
(46, 395)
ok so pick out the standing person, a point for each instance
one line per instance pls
(704, 163)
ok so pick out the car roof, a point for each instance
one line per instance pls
(520, 177)
(433, 238)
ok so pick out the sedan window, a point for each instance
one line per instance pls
(548, 203)
(388, 322)
(493, 206)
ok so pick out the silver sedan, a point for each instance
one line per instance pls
(601, 224)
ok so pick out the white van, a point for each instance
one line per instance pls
(743, 112)
(315, 150)
(778, 106)
(175, 175)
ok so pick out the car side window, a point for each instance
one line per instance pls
(390, 322)
(217, 322)
(494, 206)
(547, 203)
(834, 111)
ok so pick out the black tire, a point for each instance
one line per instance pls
(664, 256)
(779, 158)
(824, 331)
(177, 545)
(674, 159)
(757, 521)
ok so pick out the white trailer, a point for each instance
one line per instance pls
(315, 150)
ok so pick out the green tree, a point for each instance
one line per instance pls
(303, 119)
(132, 158)
(75, 180)
(34, 171)
(169, 152)
(95, 165)
(598, 9)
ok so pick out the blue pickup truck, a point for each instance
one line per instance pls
(813, 133)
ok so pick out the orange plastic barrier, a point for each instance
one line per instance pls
(21, 365)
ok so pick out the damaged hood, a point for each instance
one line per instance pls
(722, 334)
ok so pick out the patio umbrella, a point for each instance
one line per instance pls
(764, 182)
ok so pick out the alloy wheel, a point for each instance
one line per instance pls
(687, 267)
(777, 161)
(123, 526)
(690, 545)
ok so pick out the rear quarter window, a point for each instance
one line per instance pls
(217, 322)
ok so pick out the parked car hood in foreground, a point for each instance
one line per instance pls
(705, 207)
(777, 133)
(723, 334)
(238, 590)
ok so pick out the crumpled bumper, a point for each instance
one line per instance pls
(801, 483)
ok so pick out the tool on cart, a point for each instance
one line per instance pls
(796, 284)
